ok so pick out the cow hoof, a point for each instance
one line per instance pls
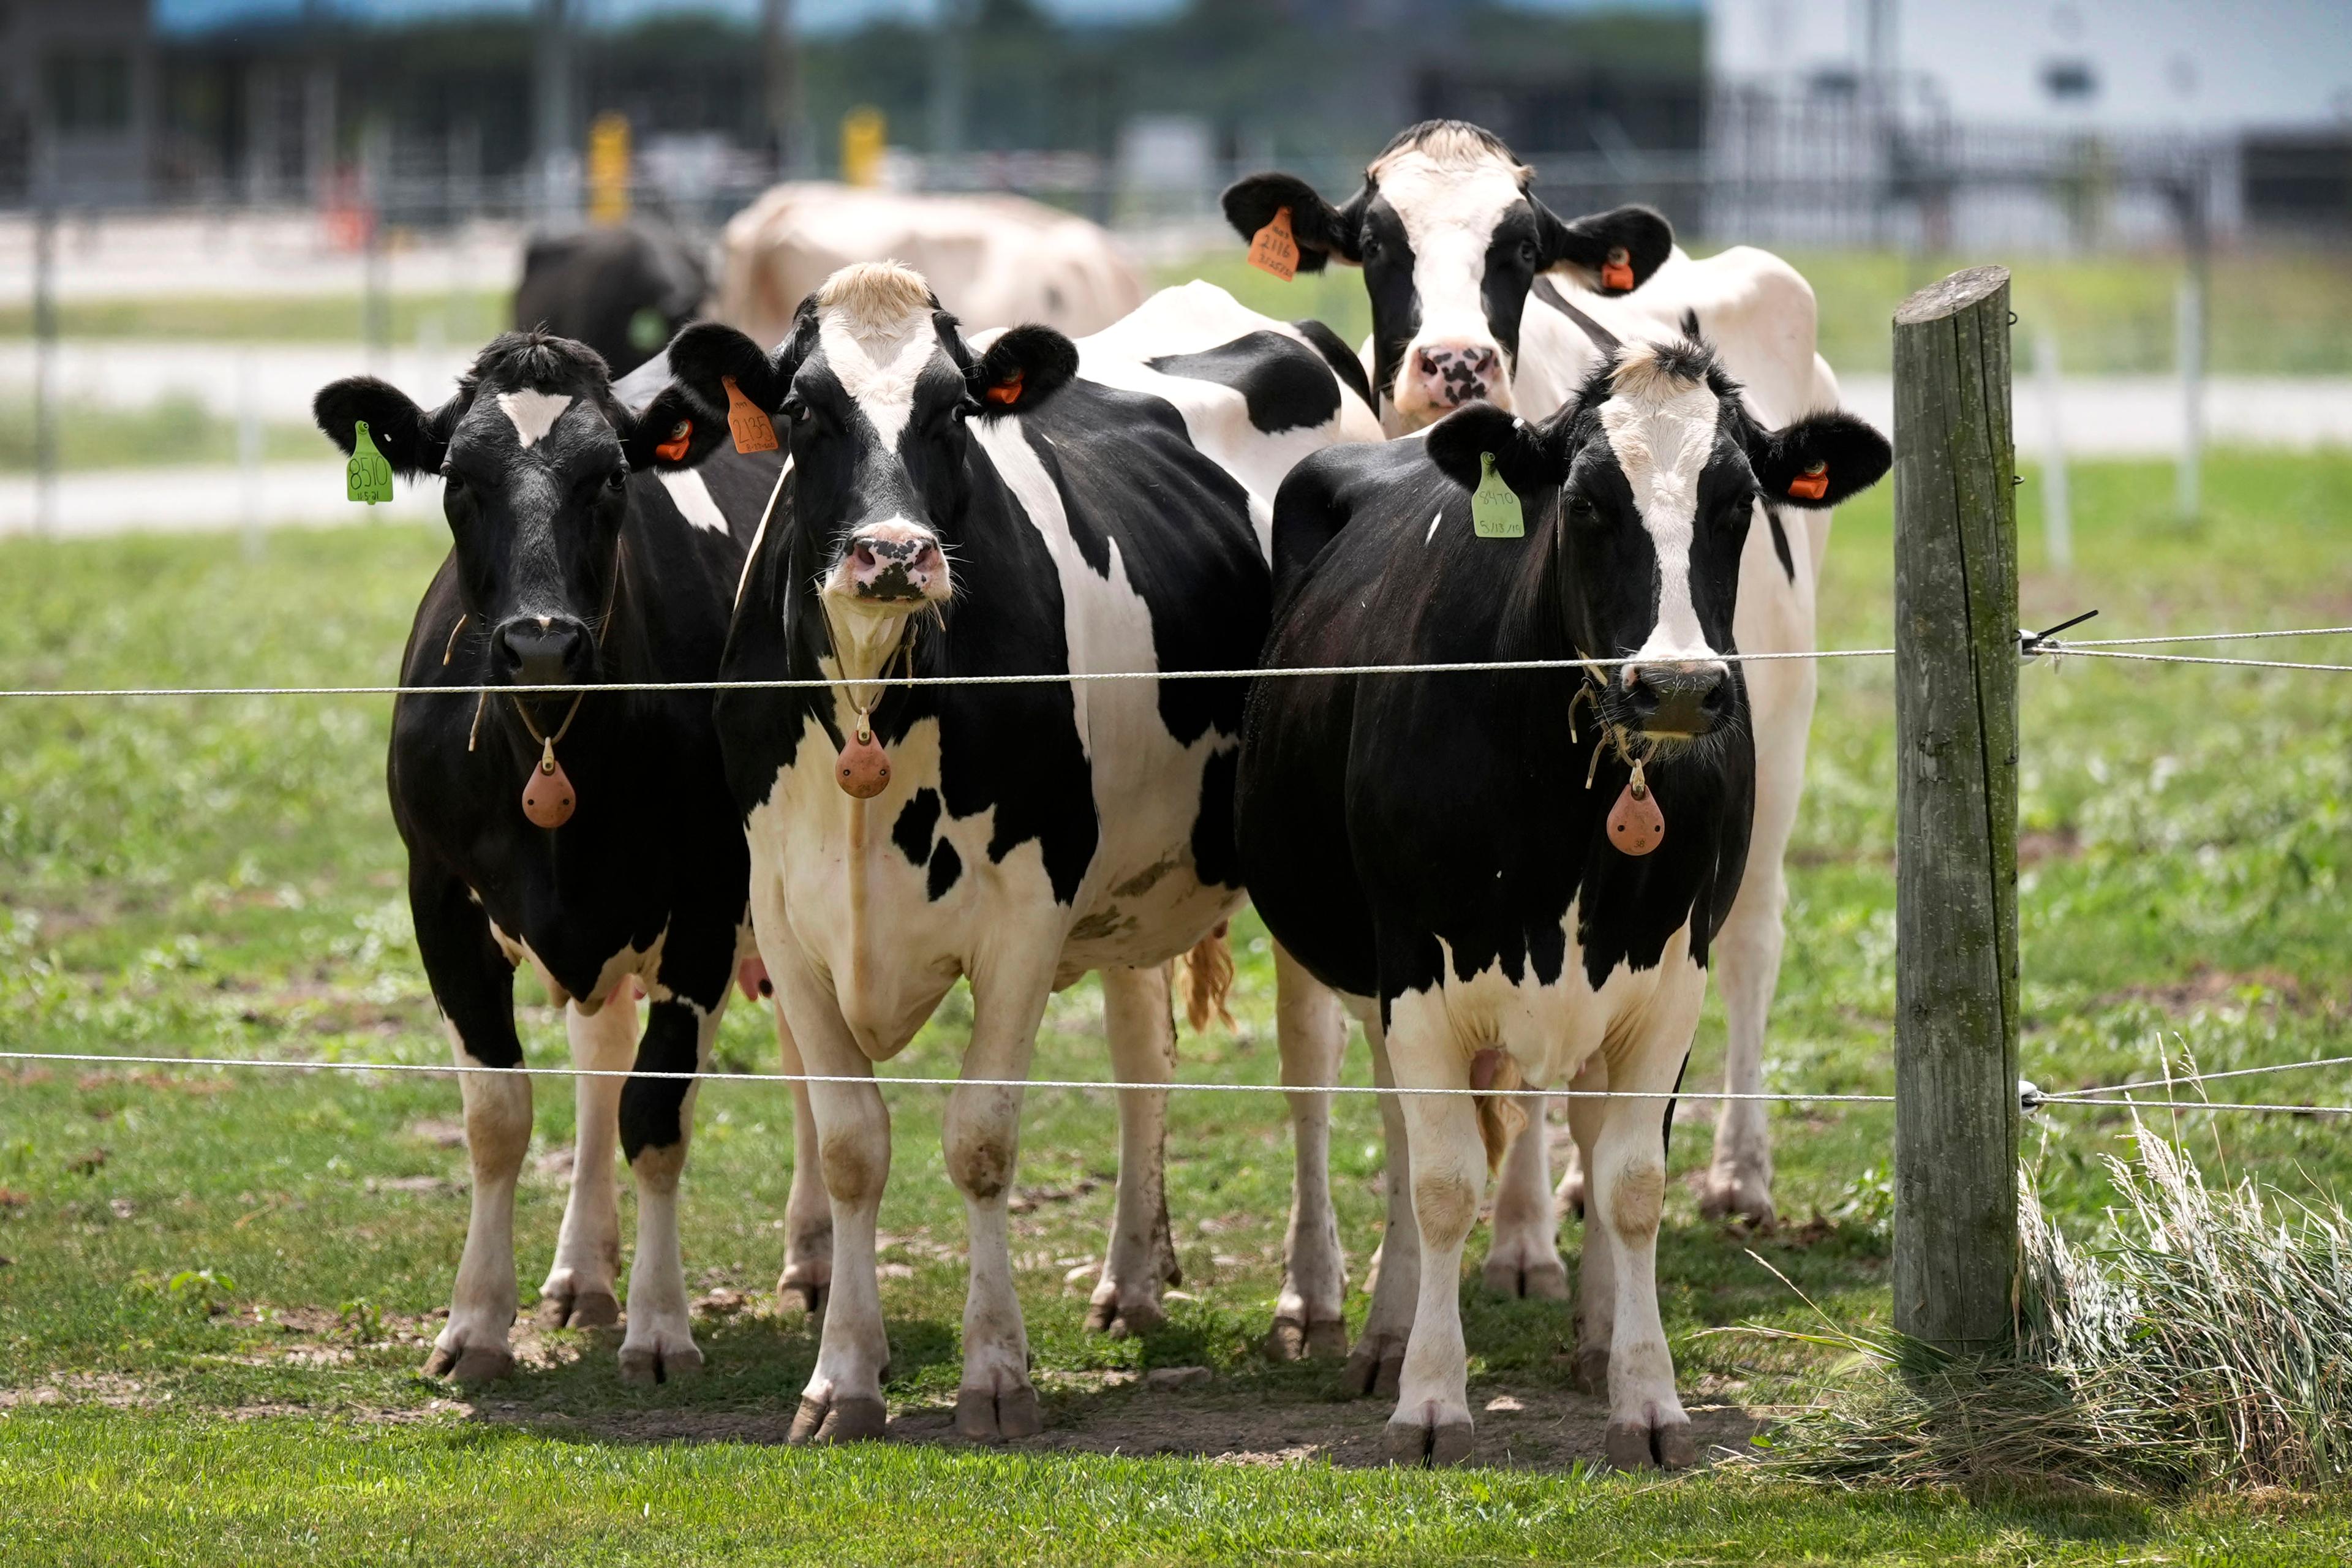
(649, 1364)
(1289, 1340)
(798, 1299)
(984, 1415)
(471, 1363)
(846, 1418)
(1537, 1282)
(1592, 1371)
(1376, 1365)
(1726, 1194)
(563, 1309)
(1412, 1443)
(1125, 1320)
(1632, 1446)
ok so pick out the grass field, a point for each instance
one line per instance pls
(219, 1286)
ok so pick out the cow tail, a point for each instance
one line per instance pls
(1500, 1116)
(1208, 976)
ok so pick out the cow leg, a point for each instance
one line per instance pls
(983, 1141)
(579, 1292)
(1447, 1167)
(474, 985)
(1647, 1423)
(657, 1124)
(1142, 1033)
(1312, 1029)
(843, 1399)
(1378, 1359)
(1746, 953)
(1522, 1259)
(808, 1213)
(1596, 1283)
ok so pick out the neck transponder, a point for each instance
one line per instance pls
(1636, 826)
(863, 768)
(547, 798)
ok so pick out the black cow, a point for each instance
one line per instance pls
(1444, 849)
(587, 551)
(1035, 507)
(625, 291)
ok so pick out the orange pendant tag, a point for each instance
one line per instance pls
(863, 768)
(1813, 484)
(1617, 272)
(548, 799)
(1636, 826)
(754, 431)
(1274, 248)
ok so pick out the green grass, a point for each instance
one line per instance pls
(269, 318)
(220, 877)
(2271, 312)
(178, 430)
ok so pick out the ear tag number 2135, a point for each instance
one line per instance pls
(367, 476)
(1493, 507)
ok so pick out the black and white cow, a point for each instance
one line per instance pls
(1441, 229)
(588, 548)
(1438, 848)
(625, 290)
(1014, 507)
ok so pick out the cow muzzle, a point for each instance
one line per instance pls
(1680, 700)
(894, 562)
(1450, 372)
(544, 650)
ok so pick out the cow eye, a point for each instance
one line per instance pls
(1581, 507)
(618, 479)
(794, 409)
(1528, 251)
(1372, 247)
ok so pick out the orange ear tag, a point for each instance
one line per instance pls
(1008, 391)
(754, 432)
(1617, 272)
(1636, 826)
(674, 449)
(548, 799)
(1813, 484)
(1274, 248)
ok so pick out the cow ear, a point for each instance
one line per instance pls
(1818, 461)
(412, 441)
(1620, 248)
(1020, 369)
(675, 431)
(1322, 230)
(1530, 458)
(707, 355)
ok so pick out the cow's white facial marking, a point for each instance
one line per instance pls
(875, 327)
(1450, 205)
(1661, 428)
(534, 414)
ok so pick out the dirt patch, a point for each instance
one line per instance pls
(2206, 988)
(1520, 1426)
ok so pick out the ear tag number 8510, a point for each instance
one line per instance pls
(366, 477)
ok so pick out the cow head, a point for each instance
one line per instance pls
(1657, 466)
(534, 455)
(1451, 241)
(872, 390)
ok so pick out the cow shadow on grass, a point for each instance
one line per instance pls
(1231, 1405)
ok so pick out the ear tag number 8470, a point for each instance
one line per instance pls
(366, 477)
(1493, 507)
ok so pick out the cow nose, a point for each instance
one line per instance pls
(1678, 699)
(543, 650)
(896, 561)
(1454, 374)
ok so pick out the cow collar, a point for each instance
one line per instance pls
(862, 768)
(1636, 826)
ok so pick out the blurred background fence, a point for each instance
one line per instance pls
(209, 207)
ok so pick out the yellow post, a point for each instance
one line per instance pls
(862, 133)
(608, 169)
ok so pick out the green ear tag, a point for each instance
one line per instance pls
(1494, 508)
(367, 477)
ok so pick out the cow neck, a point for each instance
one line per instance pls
(543, 738)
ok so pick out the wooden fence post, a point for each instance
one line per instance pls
(1955, 1113)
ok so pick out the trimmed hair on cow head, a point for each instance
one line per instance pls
(668, 433)
(1325, 232)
